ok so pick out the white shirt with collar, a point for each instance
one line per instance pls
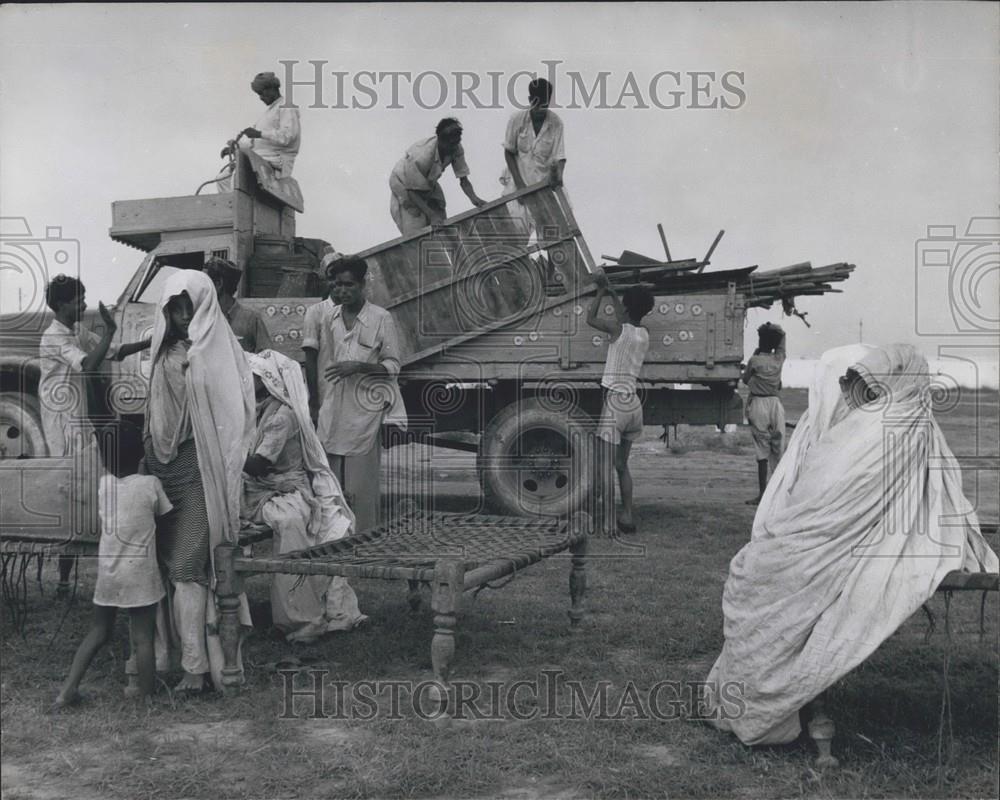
(62, 390)
(352, 409)
(535, 152)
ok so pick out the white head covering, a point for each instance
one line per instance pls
(863, 518)
(283, 378)
(826, 409)
(220, 401)
(899, 372)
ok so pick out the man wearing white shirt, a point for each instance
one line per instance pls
(533, 148)
(276, 135)
(352, 359)
(67, 356)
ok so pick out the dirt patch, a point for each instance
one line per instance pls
(323, 733)
(226, 734)
(80, 769)
(536, 789)
(662, 754)
(626, 657)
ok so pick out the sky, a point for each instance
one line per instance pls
(840, 132)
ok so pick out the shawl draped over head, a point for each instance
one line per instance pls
(863, 517)
(282, 376)
(219, 397)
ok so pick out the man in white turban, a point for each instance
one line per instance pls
(276, 135)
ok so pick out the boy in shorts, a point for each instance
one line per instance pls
(621, 417)
(765, 413)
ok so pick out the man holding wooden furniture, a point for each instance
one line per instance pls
(533, 149)
(417, 198)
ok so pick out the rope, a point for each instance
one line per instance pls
(15, 586)
(982, 617)
(945, 749)
(497, 586)
(70, 602)
(930, 622)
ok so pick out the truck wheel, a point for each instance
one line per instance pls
(533, 461)
(20, 427)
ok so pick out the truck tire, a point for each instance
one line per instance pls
(532, 461)
(20, 427)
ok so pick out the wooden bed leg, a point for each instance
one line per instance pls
(577, 583)
(449, 577)
(227, 590)
(822, 730)
(414, 596)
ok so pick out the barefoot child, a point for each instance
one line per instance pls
(127, 572)
(621, 419)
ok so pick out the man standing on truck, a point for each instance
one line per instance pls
(247, 324)
(533, 149)
(765, 413)
(352, 358)
(621, 418)
(276, 135)
(67, 354)
(417, 198)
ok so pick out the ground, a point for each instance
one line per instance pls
(654, 616)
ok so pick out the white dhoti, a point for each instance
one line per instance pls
(305, 607)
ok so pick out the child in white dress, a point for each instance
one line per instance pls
(128, 575)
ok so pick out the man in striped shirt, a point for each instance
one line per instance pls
(621, 418)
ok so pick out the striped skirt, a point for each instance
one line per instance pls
(182, 535)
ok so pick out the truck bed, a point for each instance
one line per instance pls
(476, 300)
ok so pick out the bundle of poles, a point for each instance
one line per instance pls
(686, 276)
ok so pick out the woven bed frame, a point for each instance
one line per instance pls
(451, 553)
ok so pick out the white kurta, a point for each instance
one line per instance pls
(419, 170)
(62, 389)
(280, 135)
(535, 154)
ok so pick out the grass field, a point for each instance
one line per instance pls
(653, 616)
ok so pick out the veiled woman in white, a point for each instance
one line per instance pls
(199, 423)
(289, 488)
(862, 519)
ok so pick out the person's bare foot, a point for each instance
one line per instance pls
(68, 698)
(191, 684)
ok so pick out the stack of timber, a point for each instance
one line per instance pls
(760, 289)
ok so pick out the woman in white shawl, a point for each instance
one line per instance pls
(199, 424)
(864, 516)
(290, 489)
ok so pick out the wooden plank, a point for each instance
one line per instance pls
(131, 219)
(486, 208)
(956, 580)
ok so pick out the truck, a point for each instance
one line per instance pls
(497, 357)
